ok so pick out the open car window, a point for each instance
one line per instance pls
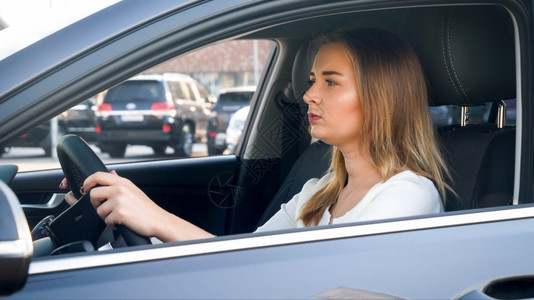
(145, 117)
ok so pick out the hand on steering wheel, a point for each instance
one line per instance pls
(79, 161)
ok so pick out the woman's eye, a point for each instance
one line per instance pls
(311, 81)
(330, 82)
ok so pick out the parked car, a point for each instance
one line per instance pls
(39, 137)
(160, 111)
(228, 102)
(235, 128)
(473, 53)
(80, 120)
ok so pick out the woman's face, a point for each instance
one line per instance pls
(334, 110)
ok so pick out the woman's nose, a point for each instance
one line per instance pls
(310, 96)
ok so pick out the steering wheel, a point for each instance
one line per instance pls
(80, 221)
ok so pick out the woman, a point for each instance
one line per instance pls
(368, 99)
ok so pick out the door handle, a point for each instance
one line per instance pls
(517, 287)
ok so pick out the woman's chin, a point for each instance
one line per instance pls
(319, 136)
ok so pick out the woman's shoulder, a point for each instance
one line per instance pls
(409, 186)
(404, 194)
(409, 176)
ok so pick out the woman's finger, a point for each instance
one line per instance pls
(70, 198)
(64, 184)
(101, 194)
(105, 211)
(100, 178)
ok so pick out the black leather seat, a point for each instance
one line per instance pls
(467, 53)
(468, 57)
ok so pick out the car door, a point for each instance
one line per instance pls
(171, 185)
(472, 252)
(199, 190)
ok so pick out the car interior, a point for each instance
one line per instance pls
(468, 54)
(468, 59)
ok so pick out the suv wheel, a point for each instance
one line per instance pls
(115, 150)
(159, 149)
(214, 151)
(185, 146)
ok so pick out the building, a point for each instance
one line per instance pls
(228, 64)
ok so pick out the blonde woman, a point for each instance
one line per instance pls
(368, 99)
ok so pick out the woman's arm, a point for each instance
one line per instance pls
(118, 201)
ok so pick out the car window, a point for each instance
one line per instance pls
(176, 90)
(194, 92)
(140, 103)
(186, 90)
(134, 91)
(445, 115)
(235, 97)
(204, 94)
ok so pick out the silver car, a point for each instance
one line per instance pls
(473, 53)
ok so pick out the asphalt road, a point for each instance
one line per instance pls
(29, 159)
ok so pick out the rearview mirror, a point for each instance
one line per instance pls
(16, 246)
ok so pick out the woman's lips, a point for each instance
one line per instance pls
(313, 117)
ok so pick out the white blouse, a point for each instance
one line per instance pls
(403, 195)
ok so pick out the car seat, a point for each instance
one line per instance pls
(467, 53)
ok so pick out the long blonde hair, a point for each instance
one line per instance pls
(397, 131)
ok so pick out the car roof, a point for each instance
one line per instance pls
(163, 76)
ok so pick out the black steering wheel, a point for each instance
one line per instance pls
(80, 221)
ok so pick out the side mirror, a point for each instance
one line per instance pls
(16, 246)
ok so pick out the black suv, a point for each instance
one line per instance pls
(228, 102)
(156, 110)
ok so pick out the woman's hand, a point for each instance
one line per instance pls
(118, 201)
(69, 197)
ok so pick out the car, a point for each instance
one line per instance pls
(228, 102)
(80, 120)
(38, 137)
(156, 110)
(473, 53)
(235, 128)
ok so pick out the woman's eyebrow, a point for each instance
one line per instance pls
(326, 73)
(332, 73)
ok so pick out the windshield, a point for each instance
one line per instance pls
(24, 22)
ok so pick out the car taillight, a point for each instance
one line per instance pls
(105, 107)
(166, 128)
(98, 129)
(213, 134)
(162, 106)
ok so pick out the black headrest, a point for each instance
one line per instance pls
(467, 52)
(300, 75)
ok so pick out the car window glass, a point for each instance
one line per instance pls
(204, 94)
(176, 90)
(194, 92)
(192, 95)
(129, 109)
(186, 91)
(450, 115)
(134, 91)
